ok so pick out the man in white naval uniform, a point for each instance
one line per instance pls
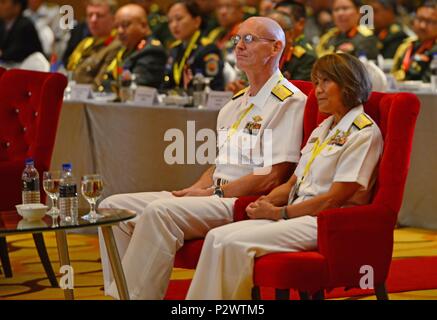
(269, 114)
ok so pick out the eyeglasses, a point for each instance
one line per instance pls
(248, 38)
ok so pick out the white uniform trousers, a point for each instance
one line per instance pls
(225, 268)
(149, 243)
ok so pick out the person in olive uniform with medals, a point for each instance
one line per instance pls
(191, 53)
(348, 35)
(390, 33)
(299, 56)
(141, 54)
(92, 56)
(413, 58)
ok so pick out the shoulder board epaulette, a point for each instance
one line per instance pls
(395, 28)
(155, 42)
(281, 92)
(205, 41)
(239, 93)
(214, 33)
(299, 51)
(362, 121)
(365, 31)
(249, 9)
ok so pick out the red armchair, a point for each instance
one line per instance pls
(349, 238)
(188, 256)
(30, 104)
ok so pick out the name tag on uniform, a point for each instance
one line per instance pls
(217, 99)
(146, 95)
(80, 91)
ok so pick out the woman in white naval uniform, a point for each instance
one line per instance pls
(337, 168)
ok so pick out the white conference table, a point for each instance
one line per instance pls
(125, 144)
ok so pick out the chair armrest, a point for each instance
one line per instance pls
(352, 237)
(240, 207)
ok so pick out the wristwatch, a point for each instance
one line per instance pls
(284, 214)
(218, 191)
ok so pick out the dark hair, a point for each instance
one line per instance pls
(22, 3)
(349, 73)
(388, 4)
(356, 3)
(191, 6)
(298, 10)
(428, 4)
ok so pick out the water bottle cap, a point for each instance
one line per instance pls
(29, 161)
(66, 166)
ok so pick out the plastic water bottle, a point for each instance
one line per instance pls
(68, 196)
(30, 178)
(433, 68)
(198, 89)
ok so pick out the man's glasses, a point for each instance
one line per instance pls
(248, 38)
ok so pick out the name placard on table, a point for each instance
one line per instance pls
(217, 99)
(81, 91)
(146, 95)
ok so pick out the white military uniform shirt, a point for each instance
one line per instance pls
(350, 157)
(269, 134)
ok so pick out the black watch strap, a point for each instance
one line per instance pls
(218, 191)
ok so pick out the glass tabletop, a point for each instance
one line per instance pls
(11, 222)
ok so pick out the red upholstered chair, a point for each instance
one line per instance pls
(349, 238)
(188, 256)
(2, 70)
(30, 104)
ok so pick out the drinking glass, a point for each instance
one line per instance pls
(51, 180)
(92, 188)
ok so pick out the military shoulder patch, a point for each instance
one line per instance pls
(281, 92)
(240, 93)
(299, 51)
(362, 121)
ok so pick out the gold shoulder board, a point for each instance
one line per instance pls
(395, 28)
(205, 41)
(362, 121)
(299, 51)
(239, 93)
(281, 92)
(155, 42)
(365, 31)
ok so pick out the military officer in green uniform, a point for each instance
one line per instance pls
(390, 33)
(157, 22)
(91, 58)
(191, 53)
(299, 56)
(348, 35)
(207, 12)
(413, 58)
(141, 54)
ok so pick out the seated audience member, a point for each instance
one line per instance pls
(336, 169)
(413, 58)
(90, 60)
(157, 21)
(269, 113)
(229, 15)
(191, 53)
(390, 33)
(207, 10)
(299, 56)
(18, 36)
(348, 35)
(142, 55)
(76, 35)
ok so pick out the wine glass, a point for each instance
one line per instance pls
(92, 188)
(51, 180)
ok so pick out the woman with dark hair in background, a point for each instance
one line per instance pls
(191, 53)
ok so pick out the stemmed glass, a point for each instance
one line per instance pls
(51, 180)
(92, 188)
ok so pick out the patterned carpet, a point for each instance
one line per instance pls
(29, 281)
